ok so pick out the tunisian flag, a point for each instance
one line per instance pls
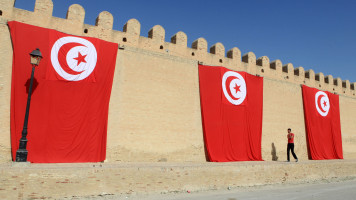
(322, 124)
(231, 106)
(70, 95)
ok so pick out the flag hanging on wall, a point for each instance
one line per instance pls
(231, 106)
(322, 124)
(70, 95)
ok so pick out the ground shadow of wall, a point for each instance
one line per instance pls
(274, 152)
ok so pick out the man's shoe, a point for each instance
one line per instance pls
(296, 160)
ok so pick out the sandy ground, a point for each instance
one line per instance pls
(322, 190)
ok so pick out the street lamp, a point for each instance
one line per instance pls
(21, 153)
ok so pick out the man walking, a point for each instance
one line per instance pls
(290, 146)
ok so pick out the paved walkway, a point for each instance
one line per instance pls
(345, 190)
(129, 180)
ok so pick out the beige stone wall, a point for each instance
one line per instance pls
(5, 90)
(348, 126)
(282, 109)
(155, 109)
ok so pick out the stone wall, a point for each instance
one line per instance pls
(155, 109)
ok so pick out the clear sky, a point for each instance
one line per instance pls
(317, 34)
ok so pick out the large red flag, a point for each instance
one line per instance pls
(231, 106)
(322, 124)
(70, 99)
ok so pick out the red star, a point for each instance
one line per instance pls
(237, 88)
(80, 58)
(324, 103)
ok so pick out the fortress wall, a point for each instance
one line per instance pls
(282, 109)
(5, 91)
(155, 109)
(348, 126)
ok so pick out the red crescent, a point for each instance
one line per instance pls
(227, 86)
(62, 57)
(320, 107)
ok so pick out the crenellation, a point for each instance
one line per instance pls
(346, 86)
(201, 46)
(76, 14)
(310, 74)
(217, 55)
(329, 79)
(131, 35)
(218, 49)
(319, 77)
(329, 83)
(289, 69)
(352, 89)
(132, 30)
(133, 27)
(250, 59)
(157, 34)
(105, 20)
(180, 39)
(264, 64)
(263, 61)
(338, 81)
(285, 68)
(178, 46)
(338, 84)
(299, 71)
(235, 55)
(299, 74)
(44, 7)
(276, 67)
(310, 77)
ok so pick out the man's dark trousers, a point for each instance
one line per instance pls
(289, 148)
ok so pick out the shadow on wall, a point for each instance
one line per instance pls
(274, 152)
(34, 85)
(206, 153)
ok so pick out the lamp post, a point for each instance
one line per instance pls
(21, 153)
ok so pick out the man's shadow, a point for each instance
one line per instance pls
(274, 153)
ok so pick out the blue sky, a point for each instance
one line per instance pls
(318, 35)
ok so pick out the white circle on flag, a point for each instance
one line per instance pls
(80, 60)
(322, 103)
(234, 87)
